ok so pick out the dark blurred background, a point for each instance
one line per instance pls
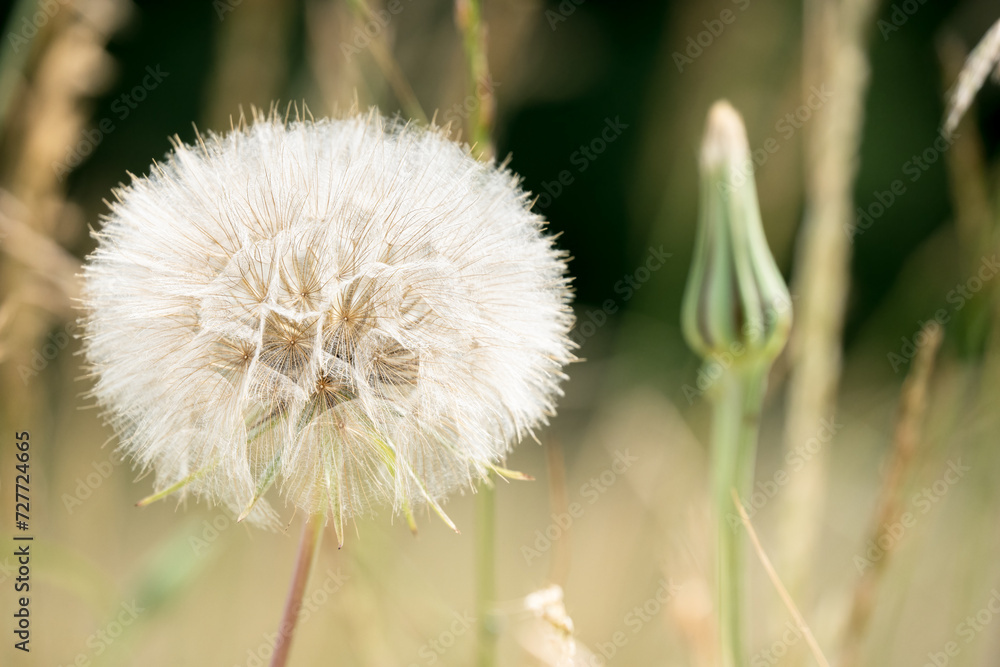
(559, 78)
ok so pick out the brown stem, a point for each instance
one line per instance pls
(303, 564)
(906, 438)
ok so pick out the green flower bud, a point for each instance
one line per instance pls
(736, 302)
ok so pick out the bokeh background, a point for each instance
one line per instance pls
(93, 89)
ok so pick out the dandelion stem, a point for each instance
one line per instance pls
(468, 16)
(308, 546)
(486, 626)
(737, 416)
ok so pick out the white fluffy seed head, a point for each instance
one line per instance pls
(355, 311)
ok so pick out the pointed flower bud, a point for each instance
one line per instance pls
(736, 302)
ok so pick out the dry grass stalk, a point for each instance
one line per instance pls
(906, 439)
(772, 574)
(836, 35)
(983, 59)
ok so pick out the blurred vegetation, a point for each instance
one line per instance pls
(562, 73)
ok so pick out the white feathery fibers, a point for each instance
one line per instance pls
(355, 310)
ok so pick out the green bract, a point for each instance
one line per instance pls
(736, 301)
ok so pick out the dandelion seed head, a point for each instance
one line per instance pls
(354, 311)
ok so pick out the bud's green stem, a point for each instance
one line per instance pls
(737, 309)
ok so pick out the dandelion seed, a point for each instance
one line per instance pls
(353, 311)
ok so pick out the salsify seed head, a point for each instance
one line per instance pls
(353, 311)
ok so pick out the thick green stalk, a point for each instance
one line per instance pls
(737, 314)
(468, 16)
(734, 436)
(486, 628)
